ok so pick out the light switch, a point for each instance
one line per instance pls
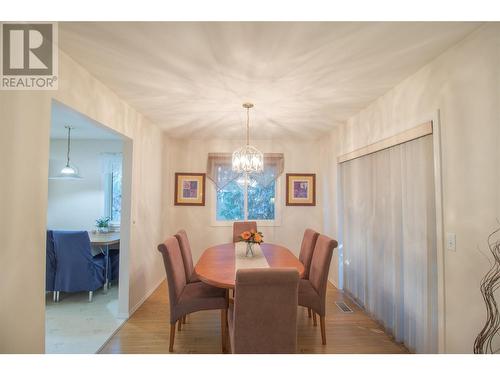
(451, 241)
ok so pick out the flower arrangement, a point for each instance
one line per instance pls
(252, 236)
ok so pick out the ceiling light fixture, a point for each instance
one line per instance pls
(69, 172)
(248, 159)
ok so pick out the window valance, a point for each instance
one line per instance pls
(220, 173)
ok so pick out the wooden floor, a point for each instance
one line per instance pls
(147, 331)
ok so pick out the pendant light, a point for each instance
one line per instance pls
(69, 171)
(248, 159)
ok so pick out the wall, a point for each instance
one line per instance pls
(191, 156)
(76, 204)
(463, 83)
(24, 155)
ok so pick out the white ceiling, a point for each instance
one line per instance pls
(304, 77)
(83, 127)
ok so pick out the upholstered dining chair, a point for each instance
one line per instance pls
(263, 317)
(241, 226)
(185, 298)
(306, 253)
(50, 264)
(187, 256)
(76, 269)
(312, 291)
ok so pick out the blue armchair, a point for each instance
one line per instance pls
(76, 269)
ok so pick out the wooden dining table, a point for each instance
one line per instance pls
(217, 265)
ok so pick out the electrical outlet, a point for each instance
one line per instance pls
(451, 241)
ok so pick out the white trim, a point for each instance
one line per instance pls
(440, 267)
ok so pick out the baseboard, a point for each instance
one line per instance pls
(131, 312)
(146, 296)
(111, 336)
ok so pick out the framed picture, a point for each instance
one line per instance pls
(189, 189)
(301, 189)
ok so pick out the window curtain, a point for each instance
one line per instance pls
(273, 168)
(389, 240)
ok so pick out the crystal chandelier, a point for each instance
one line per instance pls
(248, 159)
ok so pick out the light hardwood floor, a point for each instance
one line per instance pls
(147, 331)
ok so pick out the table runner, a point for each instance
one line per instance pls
(241, 261)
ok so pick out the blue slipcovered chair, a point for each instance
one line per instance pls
(76, 270)
(50, 264)
(114, 262)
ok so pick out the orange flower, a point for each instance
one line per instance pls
(245, 235)
(257, 237)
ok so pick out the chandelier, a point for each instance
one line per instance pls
(248, 159)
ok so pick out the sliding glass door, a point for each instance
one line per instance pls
(389, 240)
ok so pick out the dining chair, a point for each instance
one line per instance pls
(76, 269)
(312, 291)
(263, 317)
(187, 256)
(185, 298)
(50, 264)
(242, 226)
(306, 251)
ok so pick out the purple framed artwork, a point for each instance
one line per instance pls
(189, 189)
(301, 189)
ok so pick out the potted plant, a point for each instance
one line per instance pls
(102, 224)
(251, 237)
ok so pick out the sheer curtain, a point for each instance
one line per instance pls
(389, 240)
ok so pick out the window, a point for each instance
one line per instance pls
(113, 186)
(260, 200)
(238, 197)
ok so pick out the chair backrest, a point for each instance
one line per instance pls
(307, 249)
(320, 265)
(76, 271)
(187, 256)
(242, 226)
(174, 267)
(50, 263)
(265, 311)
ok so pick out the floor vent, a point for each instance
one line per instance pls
(343, 307)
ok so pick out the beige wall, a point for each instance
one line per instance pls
(463, 84)
(24, 152)
(191, 156)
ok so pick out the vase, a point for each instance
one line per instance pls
(249, 252)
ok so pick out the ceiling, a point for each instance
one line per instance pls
(190, 78)
(83, 127)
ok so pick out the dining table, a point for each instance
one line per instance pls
(103, 241)
(218, 264)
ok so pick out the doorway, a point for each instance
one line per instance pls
(88, 229)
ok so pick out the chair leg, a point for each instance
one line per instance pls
(54, 294)
(172, 337)
(309, 312)
(323, 331)
(223, 323)
(315, 323)
(184, 319)
(179, 325)
(57, 296)
(91, 294)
